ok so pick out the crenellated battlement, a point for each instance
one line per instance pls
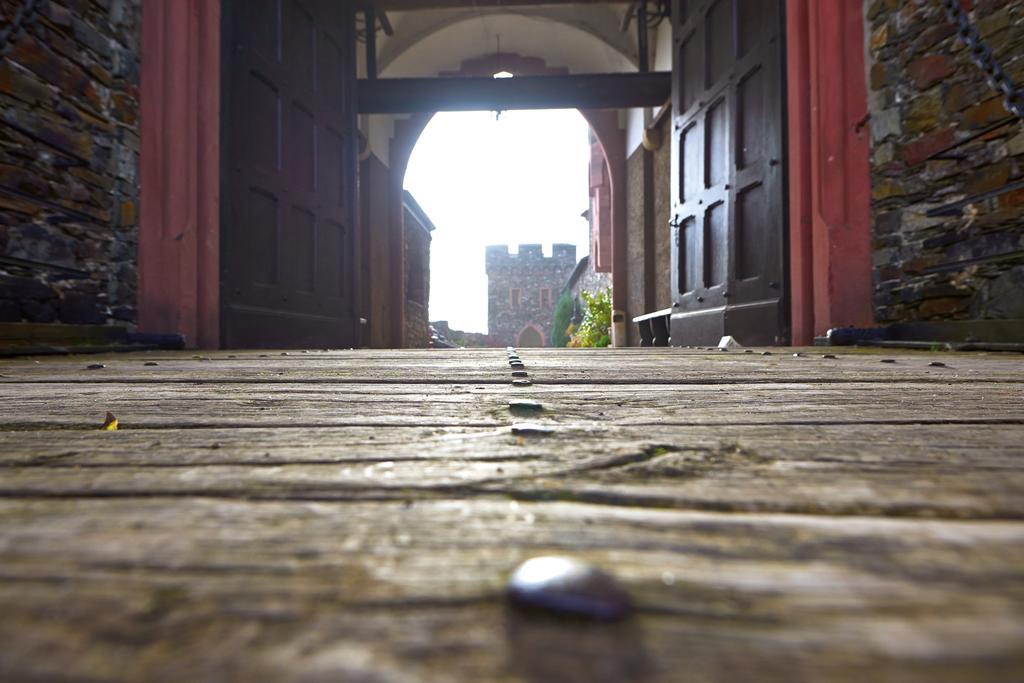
(522, 290)
(531, 255)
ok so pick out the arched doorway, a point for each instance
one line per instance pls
(533, 42)
(510, 230)
(609, 224)
(530, 337)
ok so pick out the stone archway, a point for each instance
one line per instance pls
(603, 122)
(530, 337)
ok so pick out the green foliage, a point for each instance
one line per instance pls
(596, 326)
(563, 315)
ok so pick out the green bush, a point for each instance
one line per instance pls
(596, 326)
(563, 316)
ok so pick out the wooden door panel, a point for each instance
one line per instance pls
(289, 182)
(728, 189)
(718, 38)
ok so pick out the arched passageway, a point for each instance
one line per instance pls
(609, 208)
(521, 179)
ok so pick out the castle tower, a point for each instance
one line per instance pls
(522, 290)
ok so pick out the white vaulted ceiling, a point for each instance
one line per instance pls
(584, 38)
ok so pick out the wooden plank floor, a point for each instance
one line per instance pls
(353, 515)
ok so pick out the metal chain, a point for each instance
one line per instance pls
(982, 56)
(23, 18)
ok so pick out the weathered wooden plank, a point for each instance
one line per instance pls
(378, 552)
(608, 366)
(869, 445)
(265, 405)
(483, 93)
(906, 470)
(165, 589)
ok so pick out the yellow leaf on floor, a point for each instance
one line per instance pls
(110, 424)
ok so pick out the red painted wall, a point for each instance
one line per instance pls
(830, 183)
(179, 222)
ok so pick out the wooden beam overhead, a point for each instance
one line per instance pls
(583, 91)
(406, 5)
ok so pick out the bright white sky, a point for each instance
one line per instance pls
(520, 179)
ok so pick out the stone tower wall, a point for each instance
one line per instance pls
(529, 272)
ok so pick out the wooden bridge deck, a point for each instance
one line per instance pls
(353, 515)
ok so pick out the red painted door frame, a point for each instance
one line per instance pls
(179, 166)
(829, 174)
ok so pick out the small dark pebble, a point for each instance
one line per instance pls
(766, 353)
(531, 428)
(937, 364)
(564, 585)
(95, 366)
(887, 360)
(747, 351)
(150, 363)
(519, 373)
(525, 405)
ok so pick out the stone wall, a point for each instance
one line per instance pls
(529, 272)
(417, 280)
(658, 195)
(448, 337)
(69, 144)
(636, 198)
(589, 281)
(925, 95)
(662, 207)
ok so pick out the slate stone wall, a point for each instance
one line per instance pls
(926, 94)
(529, 271)
(69, 146)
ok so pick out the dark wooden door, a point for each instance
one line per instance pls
(288, 190)
(728, 179)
